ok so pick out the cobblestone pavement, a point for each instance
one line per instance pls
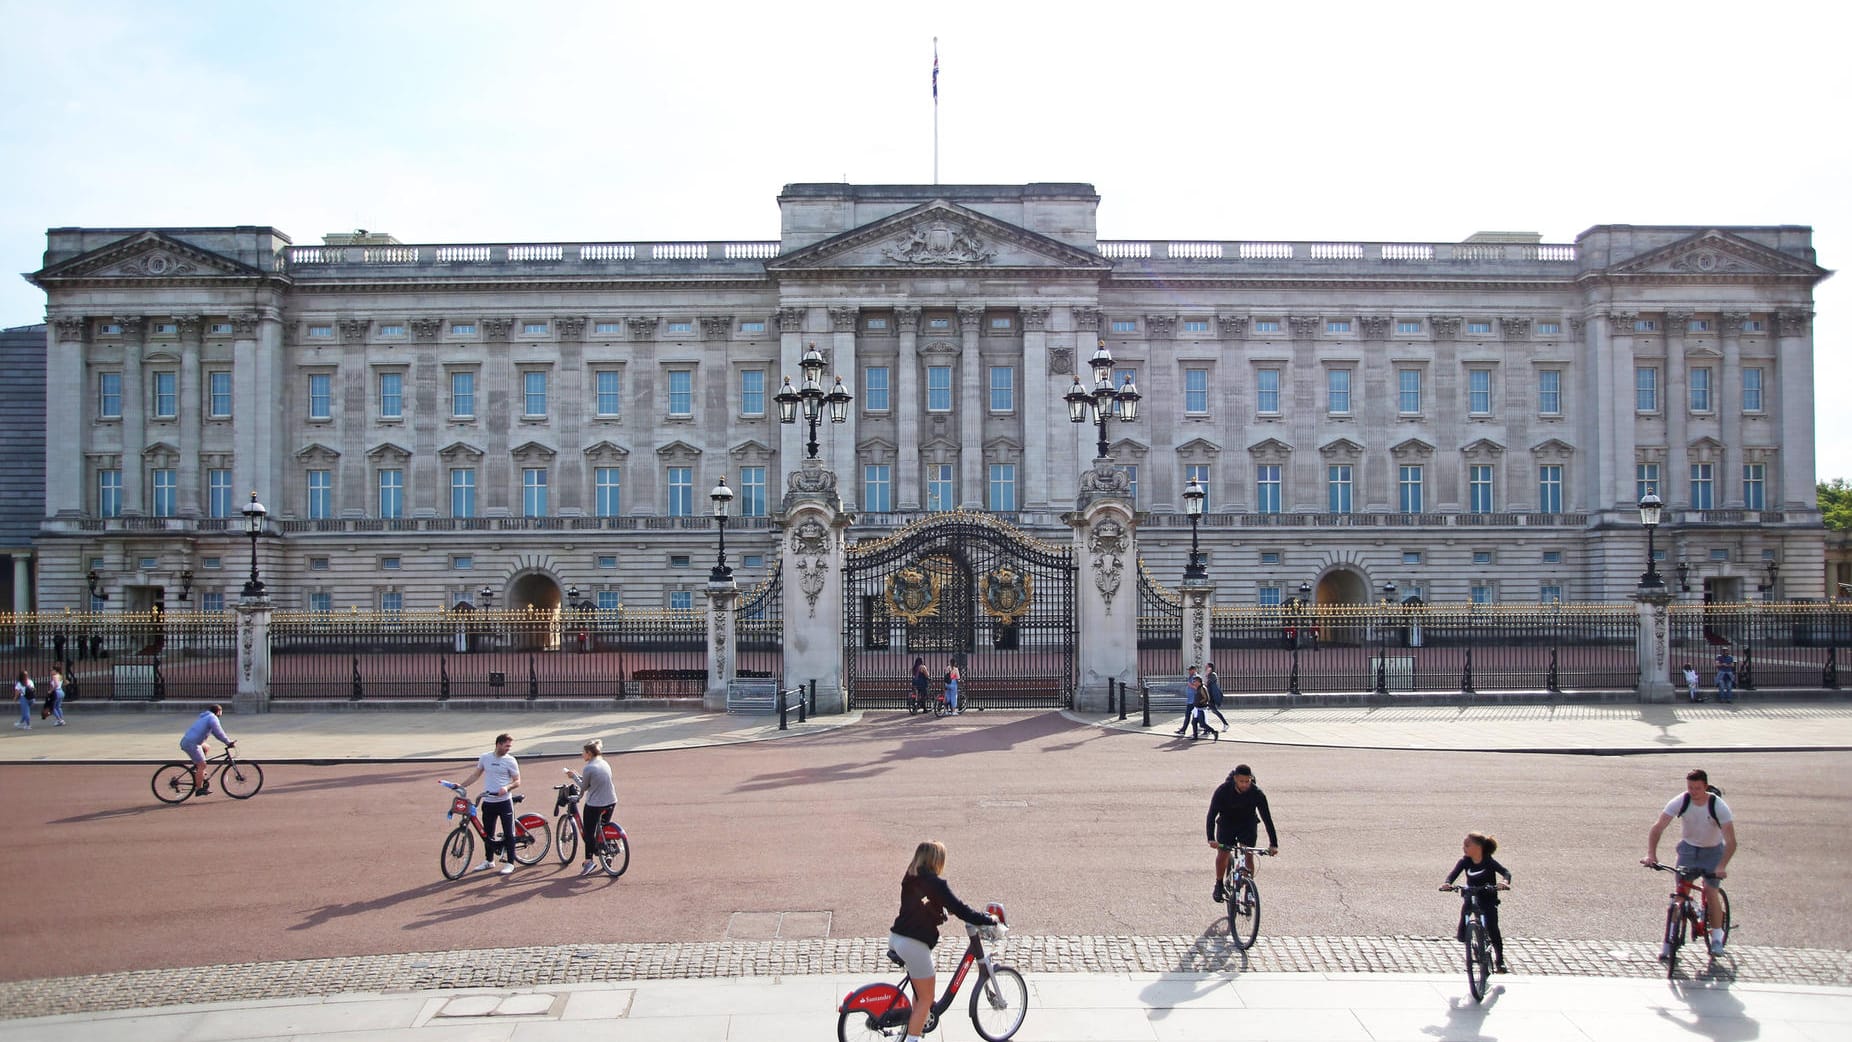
(588, 963)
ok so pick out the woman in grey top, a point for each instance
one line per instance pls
(597, 800)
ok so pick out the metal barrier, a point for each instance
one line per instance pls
(784, 704)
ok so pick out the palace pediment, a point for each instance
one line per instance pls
(935, 237)
(1716, 253)
(145, 256)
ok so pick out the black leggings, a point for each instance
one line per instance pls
(492, 812)
(1491, 928)
(592, 828)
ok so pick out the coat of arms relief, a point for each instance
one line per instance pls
(939, 241)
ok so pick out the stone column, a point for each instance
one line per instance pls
(1106, 553)
(906, 406)
(842, 363)
(253, 656)
(812, 528)
(1654, 644)
(67, 482)
(1198, 601)
(1727, 400)
(134, 417)
(191, 406)
(250, 401)
(1794, 371)
(722, 609)
(969, 396)
(573, 493)
(1035, 408)
(1617, 461)
(1677, 494)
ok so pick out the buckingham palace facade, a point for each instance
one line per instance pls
(1470, 420)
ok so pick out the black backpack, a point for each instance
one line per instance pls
(1712, 805)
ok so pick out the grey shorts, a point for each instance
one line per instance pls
(915, 954)
(1706, 858)
(192, 750)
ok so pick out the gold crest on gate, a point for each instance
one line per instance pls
(1008, 594)
(913, 594)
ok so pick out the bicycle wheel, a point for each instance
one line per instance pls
(1723, 901)
(1478, 959)
(241, 779)
(566, 838)
(999, 1003)
(458, 847)
(1244, 913)
(857, 1025)
(173, 783)
(615, 856)
(530, 845)
(1674, 936)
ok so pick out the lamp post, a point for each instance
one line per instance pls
(1299, 605)
(1193, 496)
(723, 499)
(97, 593)
(1650, 510)
(186, 585)
(1382, 641)
(1103, 401)
(1768, 587)
(487, 596)
(813, 398)
(254, 514)
(1684, 576)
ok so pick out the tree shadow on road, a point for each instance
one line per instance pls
(1213, 954)
(352, 778)
(473, 901)
(916, 738)
(328, 913)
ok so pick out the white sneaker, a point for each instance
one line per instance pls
(508, 869)
(586, 868)
(485, 866)
(1716, 942)
(1665, 951)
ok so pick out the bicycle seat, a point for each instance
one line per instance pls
(518, 797)
(894, 957)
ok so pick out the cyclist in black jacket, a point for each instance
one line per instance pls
(1236, 806)
(924, 900)
(1476, 861)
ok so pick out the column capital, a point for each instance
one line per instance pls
(791, 320)
(354, 330)
(969, 315)
(907, 319)
(1234, 327)
(1087, 320)
(1793, 323)
(189, 327)
(1731, 322)
(496, 327)
(1620, 323)
(70, 328)
(570, 327)
(716, 327)
(426, 328)
(1577, 324)
(1160, 327)
(1304, 327)
(131, 324)
(642, 327)
(1515, 327)
(1034, 318)
(1676, 321)
(1375, 327)
(1445, 327)
(842, 319)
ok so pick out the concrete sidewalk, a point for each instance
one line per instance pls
(1144, 1007)
(387, 737)
(1613, 729)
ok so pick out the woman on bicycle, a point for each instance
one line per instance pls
(922, 684)
(924, 900)
(1476, 861)
(598, 801)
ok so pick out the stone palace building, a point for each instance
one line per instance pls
(1469, 420)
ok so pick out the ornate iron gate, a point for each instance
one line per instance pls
(1160, 627)
(964, 588)
(759, 630)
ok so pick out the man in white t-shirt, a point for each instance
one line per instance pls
(1707, 842)
(502, 776)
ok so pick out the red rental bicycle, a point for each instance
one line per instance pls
(1688, 912)
(532, 836)
(998, 1005)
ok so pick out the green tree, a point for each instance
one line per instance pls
(1836, 503)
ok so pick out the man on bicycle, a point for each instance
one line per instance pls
(1234, 810)
(1707, 843)
(193, 743)
(503, 776)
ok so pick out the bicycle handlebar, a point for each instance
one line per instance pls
(1239, 849)
(1455, 887)
(1682, 873)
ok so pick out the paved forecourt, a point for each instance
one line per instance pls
(1145, 1007)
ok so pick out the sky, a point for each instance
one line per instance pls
(464, 121)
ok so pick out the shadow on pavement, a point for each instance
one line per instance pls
(1710, 1010)
(1214, 952)
(918, 737)
(1466, 1018)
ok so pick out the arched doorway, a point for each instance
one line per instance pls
(1341, 587)
(537, 594)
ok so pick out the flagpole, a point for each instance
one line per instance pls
(935, 110)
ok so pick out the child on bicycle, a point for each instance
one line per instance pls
(1476, 861)
(924, 900)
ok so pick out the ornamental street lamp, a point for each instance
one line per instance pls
(723, 499)
(254, 514)
(1382, 641)
(97, 593)
(1099, 405)
(572, 596)
(1298, 611)
(487, 596)
(1193, 496)
(186, 585)
(1684, 576)
(1768, 588)
(813, 398)
(1650, 510)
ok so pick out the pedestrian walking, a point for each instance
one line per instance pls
(922, 685)
(54, 698)
(502, 775)
(1691, 683)
(1190, 687)
(1213, 681)
(1200, 721)
(952, 677)
(23, 690)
